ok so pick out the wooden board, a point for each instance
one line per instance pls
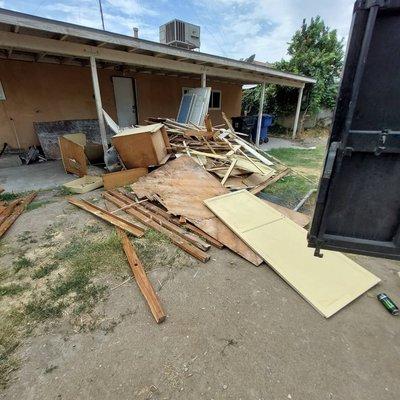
(72, 148)
(141, 278)
(181, 186)
(327, 283)
(17, 211)
(99, 212)
(121, 178)
(85, 184)
(121, 201)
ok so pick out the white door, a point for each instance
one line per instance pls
(125, 101)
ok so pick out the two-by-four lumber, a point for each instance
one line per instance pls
(115, 220)
(270, 181)
(120, 200)
(9, 209)
(187, 225)
(141, 278)
(172, 227)
(18, 210)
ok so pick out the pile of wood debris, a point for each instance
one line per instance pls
(10, 211)
(238, 164)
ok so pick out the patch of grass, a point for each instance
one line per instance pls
(93, 228)
(9, 340)
(10, 196)
(44, 270)
(22, 263)
(311, 159)
(49, 233)
(12, 289)
(42, 308)
(290, 189)
(37, 204)
(63, 191)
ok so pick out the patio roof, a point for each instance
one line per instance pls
(31, 38)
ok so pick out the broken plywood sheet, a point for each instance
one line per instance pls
(181, 186)
(327, 283)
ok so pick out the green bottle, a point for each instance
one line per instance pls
(388, 303)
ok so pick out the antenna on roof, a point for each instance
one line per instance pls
(101, 13)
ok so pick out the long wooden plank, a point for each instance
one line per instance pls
(188, 226)
(163, 222)
(181, 186)
(105, 215)
(5, 225)
(327, 283)
(177, 240)
(270, 181)
(141, 278)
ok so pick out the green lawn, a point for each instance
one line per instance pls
(293, 187)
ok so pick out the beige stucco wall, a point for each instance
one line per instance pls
(47, 92)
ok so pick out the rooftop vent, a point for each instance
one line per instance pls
(180, 34)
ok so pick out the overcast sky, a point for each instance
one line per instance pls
(231, 28)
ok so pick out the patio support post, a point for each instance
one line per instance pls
(260, 113)
(296, 118)
(99, 107)
(203, 79)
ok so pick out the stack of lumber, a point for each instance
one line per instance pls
(10, 211)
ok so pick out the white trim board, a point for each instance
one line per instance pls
(328, 283)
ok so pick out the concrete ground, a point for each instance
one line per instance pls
(233, 331)
(46, 175)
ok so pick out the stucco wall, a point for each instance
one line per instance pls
(46, 92)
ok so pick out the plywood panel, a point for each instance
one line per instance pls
(181, 186)
(73, 153)
(327, 283)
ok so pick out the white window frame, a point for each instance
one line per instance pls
(185, 88)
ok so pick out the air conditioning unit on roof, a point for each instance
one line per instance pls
(180, 34)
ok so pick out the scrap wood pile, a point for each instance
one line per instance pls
(10, 211)
(192, 196)
(237, 163)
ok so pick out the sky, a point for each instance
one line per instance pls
(230, 28)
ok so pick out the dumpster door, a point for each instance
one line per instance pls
(358, 203)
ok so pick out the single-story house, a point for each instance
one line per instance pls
(54, 71)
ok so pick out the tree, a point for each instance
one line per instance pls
(315, 51)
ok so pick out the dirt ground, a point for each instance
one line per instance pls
(233, 331)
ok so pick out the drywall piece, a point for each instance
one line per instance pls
(143, 146)
(181, 186)
(85, 184)
(327, 283)
(121, 178)
(72, 149)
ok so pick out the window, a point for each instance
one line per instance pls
(2, 94)
(215, 100)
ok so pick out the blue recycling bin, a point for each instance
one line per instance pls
(266, 122)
